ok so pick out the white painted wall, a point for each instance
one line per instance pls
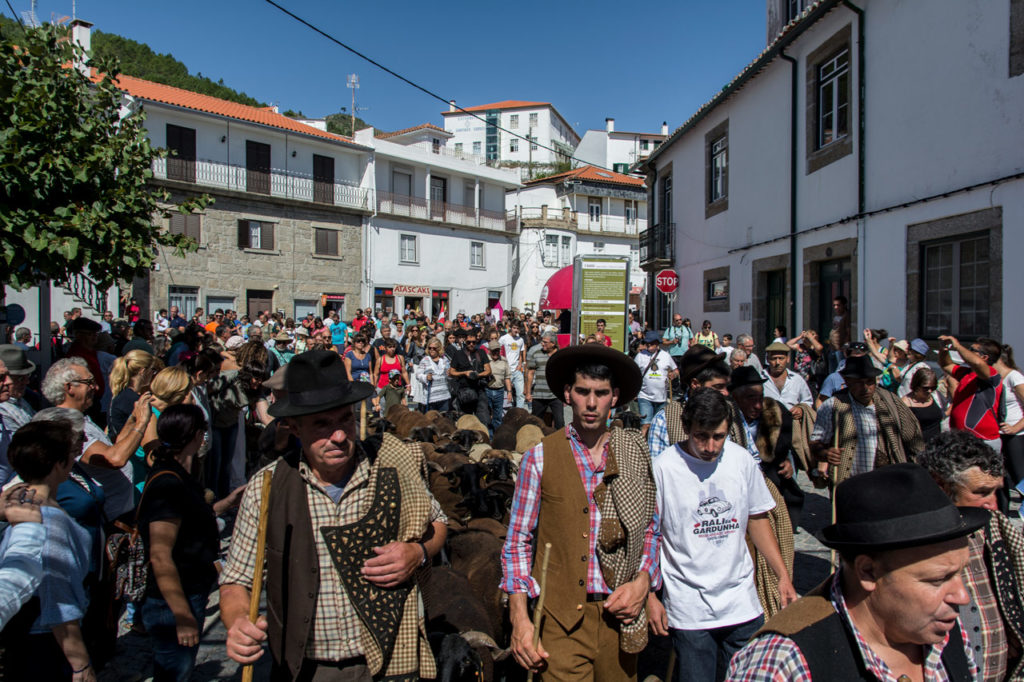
(444, 262)
(467, 129)
(941, 114)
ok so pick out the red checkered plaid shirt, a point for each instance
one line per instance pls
(775, 658)
(517, 556)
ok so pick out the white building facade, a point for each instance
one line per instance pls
(618, 150)
(582, 212)
(891, 175)
(501, 137)
(438, 238)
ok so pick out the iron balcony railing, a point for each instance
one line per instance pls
(82, 288)
(274, 182)
(545, 216)
(658, 243)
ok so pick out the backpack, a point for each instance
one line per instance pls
(126, 554)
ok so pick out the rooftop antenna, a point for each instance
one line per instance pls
(29, 17)
(353, 85)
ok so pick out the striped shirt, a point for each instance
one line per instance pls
(867, 432)
(537, 359)
(516, 557)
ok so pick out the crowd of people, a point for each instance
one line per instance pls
(684, 455)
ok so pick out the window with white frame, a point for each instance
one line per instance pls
(794, 8)
(533, 120)
(533, 142)
(458, 147)
(566, 251)
(255, 234)
(476, 254)
(476, 148)
(630, 212)
(513, 145)
(834, 98)
(645, 145)
(513, 121)
(598, 247)
(594, 206)
(407, 252)
(551, 251)
(719, 168)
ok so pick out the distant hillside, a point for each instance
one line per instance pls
(139, 60)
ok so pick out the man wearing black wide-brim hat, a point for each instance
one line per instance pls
(604, 559)
(890, 612)
(348, 525)
(875, 427)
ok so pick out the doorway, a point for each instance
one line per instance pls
(834, 278)
(775, 314)
(257, 301)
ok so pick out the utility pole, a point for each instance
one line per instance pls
(353, 85)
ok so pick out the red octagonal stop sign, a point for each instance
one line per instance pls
(666, 281)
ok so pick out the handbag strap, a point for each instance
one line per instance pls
(145, 487)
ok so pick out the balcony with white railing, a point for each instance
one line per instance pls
(274, 183)
(567, 219)
(404, 205)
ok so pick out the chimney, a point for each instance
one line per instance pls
(609, 125)
(664, 128)
(81, 34)
(451, 105)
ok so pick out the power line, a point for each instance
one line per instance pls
(419, 87)
(16, 15)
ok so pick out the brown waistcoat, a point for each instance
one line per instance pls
(564, 521)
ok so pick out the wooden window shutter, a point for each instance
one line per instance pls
(192, 223)
(321, 241)
(177, 223)
(332, 242)
(243, 234)
(267, 236)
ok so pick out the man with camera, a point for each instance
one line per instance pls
(470, 368)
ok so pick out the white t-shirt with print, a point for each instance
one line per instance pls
(704, 507)
(513, 348)
(654, 388)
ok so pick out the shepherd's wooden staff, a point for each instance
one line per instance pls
(257, 579)
(362, 421)
(538, 608)
(833, 475)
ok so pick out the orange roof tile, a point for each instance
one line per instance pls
(423, 126)
(166, 94)
(591, 174)
(506, 104)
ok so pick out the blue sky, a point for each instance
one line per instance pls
(640, 63)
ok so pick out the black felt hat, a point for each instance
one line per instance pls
(859, 367)
(745, 376)
(316, 381)
(894, 507)
(561, 369)
(695, 359)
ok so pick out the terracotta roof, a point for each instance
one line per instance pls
(590, 174)
(166, 94)
(792, 30)
(506, 104)
(424, 126)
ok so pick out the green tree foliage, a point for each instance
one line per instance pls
(74, 191)
(341, 124)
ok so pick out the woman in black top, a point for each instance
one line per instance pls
(180, 534)
(129, 378)
(922, 402)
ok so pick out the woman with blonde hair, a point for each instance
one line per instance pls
(171, 386)
(129, 379)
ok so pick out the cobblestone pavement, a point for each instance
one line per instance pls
(133, 663)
